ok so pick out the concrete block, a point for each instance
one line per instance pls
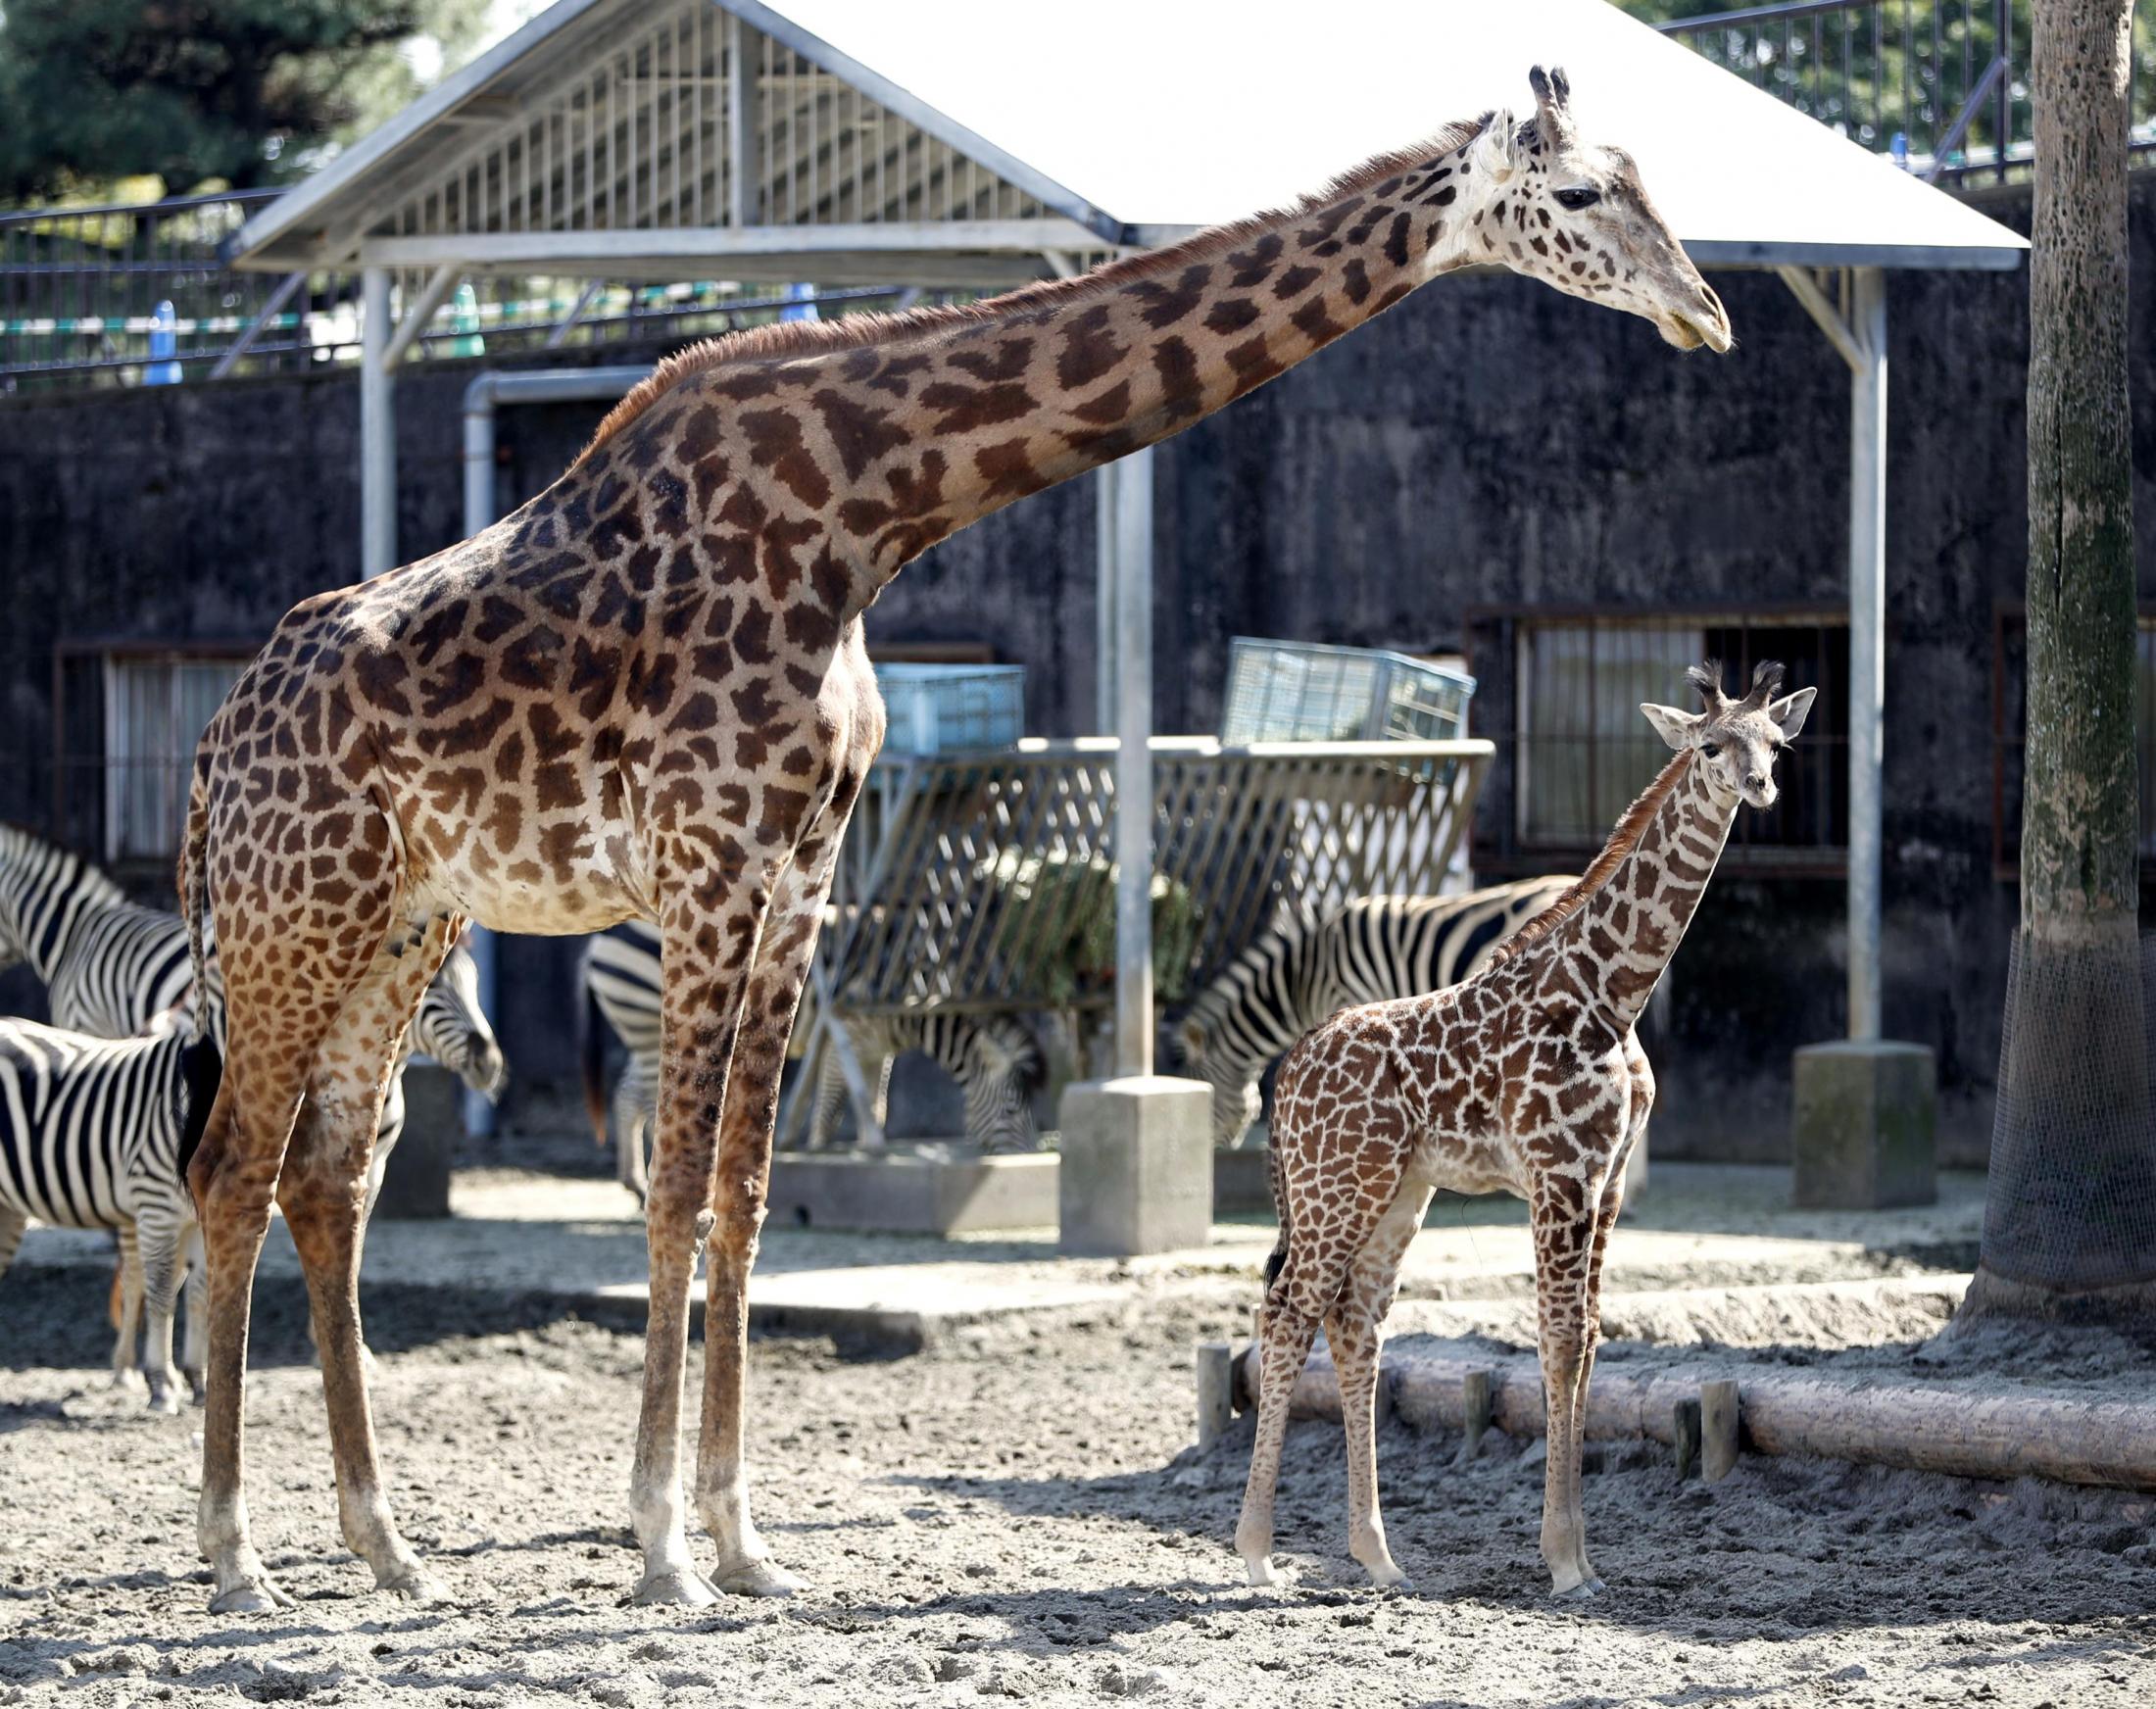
(931, 1189)
(1241, 1185)
(416, 1185)
(1864, 1130)
(1138, 1161)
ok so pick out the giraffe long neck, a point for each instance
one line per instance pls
(1626, 932)
(905, 439)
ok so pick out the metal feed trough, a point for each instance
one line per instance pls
(984, 882)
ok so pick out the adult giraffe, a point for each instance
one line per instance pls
(646, 693)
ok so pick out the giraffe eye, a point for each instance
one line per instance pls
(1572, 201)
(1712, 749)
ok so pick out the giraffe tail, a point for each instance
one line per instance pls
(202, 1064)
(591, 1040)
(1279, 1254)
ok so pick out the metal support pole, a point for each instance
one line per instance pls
(377, 429)
(482, 507)
(1134, 764)
(1103, 598)
(1867, 643)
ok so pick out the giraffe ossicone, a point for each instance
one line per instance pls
(646, 693)
(1526, 1078)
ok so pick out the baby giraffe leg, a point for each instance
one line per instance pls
(1288, 1333)
(1562, 1241)
(1354, 1328)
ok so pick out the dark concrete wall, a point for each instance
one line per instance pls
(1488, 443)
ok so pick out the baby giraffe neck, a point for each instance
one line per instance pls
(1630, 926)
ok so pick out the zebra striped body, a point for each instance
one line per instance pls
(109, 967)
(996, 1061)
(90, 1138)
(1371, 951)
(993, 1058)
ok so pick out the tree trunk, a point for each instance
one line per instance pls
(2070, 1217)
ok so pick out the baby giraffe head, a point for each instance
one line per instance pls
(1574, 214)
(1734, 741)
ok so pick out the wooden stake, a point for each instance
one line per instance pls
(1718, 1421)
(1475, 1407)
(1684, 1437)
(1215, 1391)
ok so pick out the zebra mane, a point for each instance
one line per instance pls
(19, 840)
(1233, 982)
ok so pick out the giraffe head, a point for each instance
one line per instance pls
(1735, 742)
(1574, 214)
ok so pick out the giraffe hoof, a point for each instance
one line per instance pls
(1583, 1591)
(758, 1579)
(674, 1587)
(1263, 1576)
(414, 1584)
(250, 1596)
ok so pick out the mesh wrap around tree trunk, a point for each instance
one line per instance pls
(2070, 1211)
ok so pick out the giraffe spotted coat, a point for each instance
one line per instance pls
(645, 693)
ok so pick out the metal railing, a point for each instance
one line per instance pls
(1942, 86)
(138, 293)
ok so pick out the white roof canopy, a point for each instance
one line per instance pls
(887, 141)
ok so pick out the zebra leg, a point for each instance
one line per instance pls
(824, 1112)
(635, 1103)
(11, 1224)
(158, 1235)
(130, 1306)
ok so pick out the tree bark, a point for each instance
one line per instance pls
(2070, 1209)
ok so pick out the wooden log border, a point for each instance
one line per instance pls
(1924, 1428)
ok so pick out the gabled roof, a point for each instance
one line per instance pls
(884, 137)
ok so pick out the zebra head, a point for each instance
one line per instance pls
(453, 1029)
(1236, 1100)
(1006, 1070)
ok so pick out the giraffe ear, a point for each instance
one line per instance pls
(1789, 711)
(1673, 726)
(1496, 152)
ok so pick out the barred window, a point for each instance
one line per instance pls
(156, 707)
(2009, 725)
(1584, 752)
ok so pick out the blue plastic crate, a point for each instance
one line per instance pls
(947, 708)
(1295, 691)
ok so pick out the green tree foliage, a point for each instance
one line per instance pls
(235, 92)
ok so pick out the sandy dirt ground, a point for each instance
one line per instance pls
(1017, 1513)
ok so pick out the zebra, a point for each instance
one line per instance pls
(94, 1133)
(995, 1059)
(1368, 951)
(110, 968)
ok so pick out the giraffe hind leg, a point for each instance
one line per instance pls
(324, 1193)
(1355, 1329)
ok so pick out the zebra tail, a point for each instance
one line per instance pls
(590, 1040)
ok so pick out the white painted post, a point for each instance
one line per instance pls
(378, 428)
(1867, 642)
(1105, 578)
(1134, 764)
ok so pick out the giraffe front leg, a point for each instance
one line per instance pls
(742, 1179)
(1562, 1244)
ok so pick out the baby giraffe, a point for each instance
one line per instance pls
(1526, 1077)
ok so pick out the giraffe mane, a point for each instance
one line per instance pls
(782, 339)
(1622, 840)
